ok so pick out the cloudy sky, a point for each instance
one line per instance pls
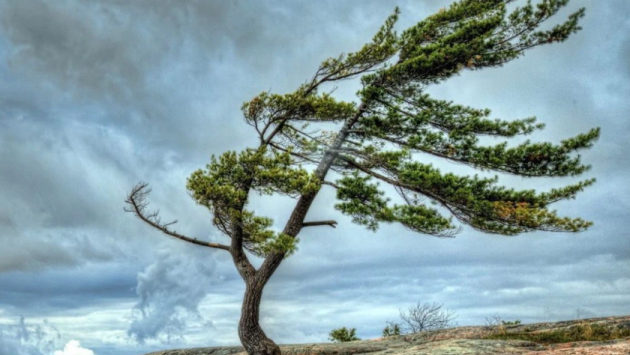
(96, 96)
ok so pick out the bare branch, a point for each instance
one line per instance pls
(137, 200)
(494, 320)
(320, 223)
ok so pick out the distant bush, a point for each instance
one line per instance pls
(391, 329)
(342, 335)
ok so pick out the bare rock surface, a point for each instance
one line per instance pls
(457, 341)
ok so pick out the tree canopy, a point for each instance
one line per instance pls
(381, 137)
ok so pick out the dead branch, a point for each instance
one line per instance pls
(138, 205)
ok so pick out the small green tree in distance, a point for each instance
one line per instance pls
(382, 137)
(391, 329)
(342, 335)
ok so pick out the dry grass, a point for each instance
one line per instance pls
(578, 332)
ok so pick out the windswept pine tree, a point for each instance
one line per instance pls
(382, 138)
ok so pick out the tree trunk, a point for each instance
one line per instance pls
(251, 334)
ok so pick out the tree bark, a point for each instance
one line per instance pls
(253, 338)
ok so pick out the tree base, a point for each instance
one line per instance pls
(264, 347)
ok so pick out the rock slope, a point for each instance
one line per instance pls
(468, 340)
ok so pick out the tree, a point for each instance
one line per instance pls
(342, 335)
(427, 316)
(381, 138)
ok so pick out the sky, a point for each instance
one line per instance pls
(96, 96)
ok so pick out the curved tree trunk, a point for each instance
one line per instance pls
(251, 334)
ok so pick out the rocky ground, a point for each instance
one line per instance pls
(472, 341)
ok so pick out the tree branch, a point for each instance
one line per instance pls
(324, 182)
(296, 220)
(241, 261)
(137, 200)
(320, 223)
(283, 120)
(295, 154)
(397, 184)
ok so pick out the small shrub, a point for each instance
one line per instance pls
(391, 329)
(342, 335)
(427, 316)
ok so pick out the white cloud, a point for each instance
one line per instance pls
(74, 348)
(170, 290)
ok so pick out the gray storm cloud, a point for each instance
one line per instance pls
(118, 56)
(70, 51)
(143, 61)
(54, 201)
(170, 291)
(96, 96)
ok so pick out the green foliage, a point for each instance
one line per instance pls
(342, 335)
(396, 120)
(516, 322)
(471, 34)
(225, 184)
(479, 202)
(579, 332)
(384, 45)
(452, 132)
(296, 106)
(367, 206)
(400, 115)
(260, 240)
(227, 178)
(363, 201)
(391, 329)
